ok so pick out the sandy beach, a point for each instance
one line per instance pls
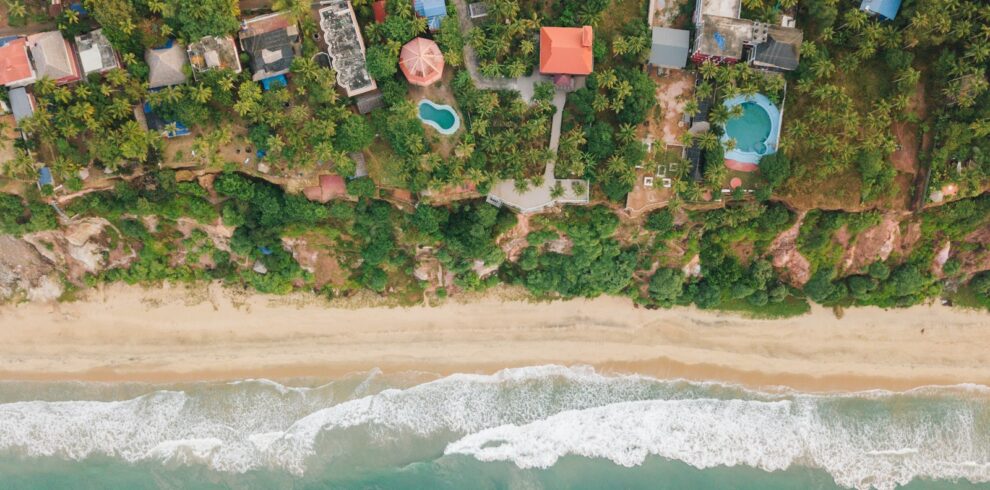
(174, 334)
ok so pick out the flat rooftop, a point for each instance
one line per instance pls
(346, 48)
(723, 36)
(721, 8)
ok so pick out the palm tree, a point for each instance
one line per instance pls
(708, 141)
(855, 19)
(708, 70)
(21, 166)
(503, 10)
(15, 8)
(296, 9)
(626, 133)
(822, 67)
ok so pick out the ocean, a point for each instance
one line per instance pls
(526, 428)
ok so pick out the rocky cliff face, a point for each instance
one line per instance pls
(25, 273)
(36, 266)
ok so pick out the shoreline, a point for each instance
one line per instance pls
(206, 333)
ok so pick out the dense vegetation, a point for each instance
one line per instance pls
(860, 86)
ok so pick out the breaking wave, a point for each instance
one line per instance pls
(527, 416)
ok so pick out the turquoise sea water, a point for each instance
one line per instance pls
(527, 428)
(751, 129)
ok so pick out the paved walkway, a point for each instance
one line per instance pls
(534, 199)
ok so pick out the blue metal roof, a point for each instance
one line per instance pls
(433, 10)
(156, 123)
(886, 9)
(45, 176)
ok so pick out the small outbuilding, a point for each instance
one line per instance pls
(381, 14)
(670, 47)
(21, 104)
(421, 62)
(214, 53)
(884, 9)
(433, 10)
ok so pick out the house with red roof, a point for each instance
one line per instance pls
(16, 69)
(379, 10)
(330, 187)
(566, 50)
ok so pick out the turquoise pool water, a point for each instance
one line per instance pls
(443, 118)
(751, 129)
(756, 132)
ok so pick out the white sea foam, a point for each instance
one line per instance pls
(529, 416)
(768, 435)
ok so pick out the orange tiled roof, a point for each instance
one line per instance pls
(566, 50)
(14, 62)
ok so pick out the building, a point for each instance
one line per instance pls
(272, 41)
(330, 187)
(721, 36)
(670, 48)
(421, 62)
(54, 57)
(16, 69)
(378, 8)
(477, 10)
(882, 9)
(22, 104)
(96, 54)
(166, 65)
(366, 103)
(566, 50)
(781, 50)
(214, 53)
(150, 120)
(433, 10)
(346, 48)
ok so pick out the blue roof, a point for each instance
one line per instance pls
(433, 10)
(275, 81)
(45, 176)
(884, 8)
(156, 123)
(78, 8)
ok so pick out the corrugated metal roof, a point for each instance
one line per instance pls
(670, 47)
(884, 8)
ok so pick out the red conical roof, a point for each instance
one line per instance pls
(421, 61)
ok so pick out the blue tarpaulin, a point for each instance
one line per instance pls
(265, 250)
(720, 40)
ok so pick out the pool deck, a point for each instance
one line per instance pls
(741, 166)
